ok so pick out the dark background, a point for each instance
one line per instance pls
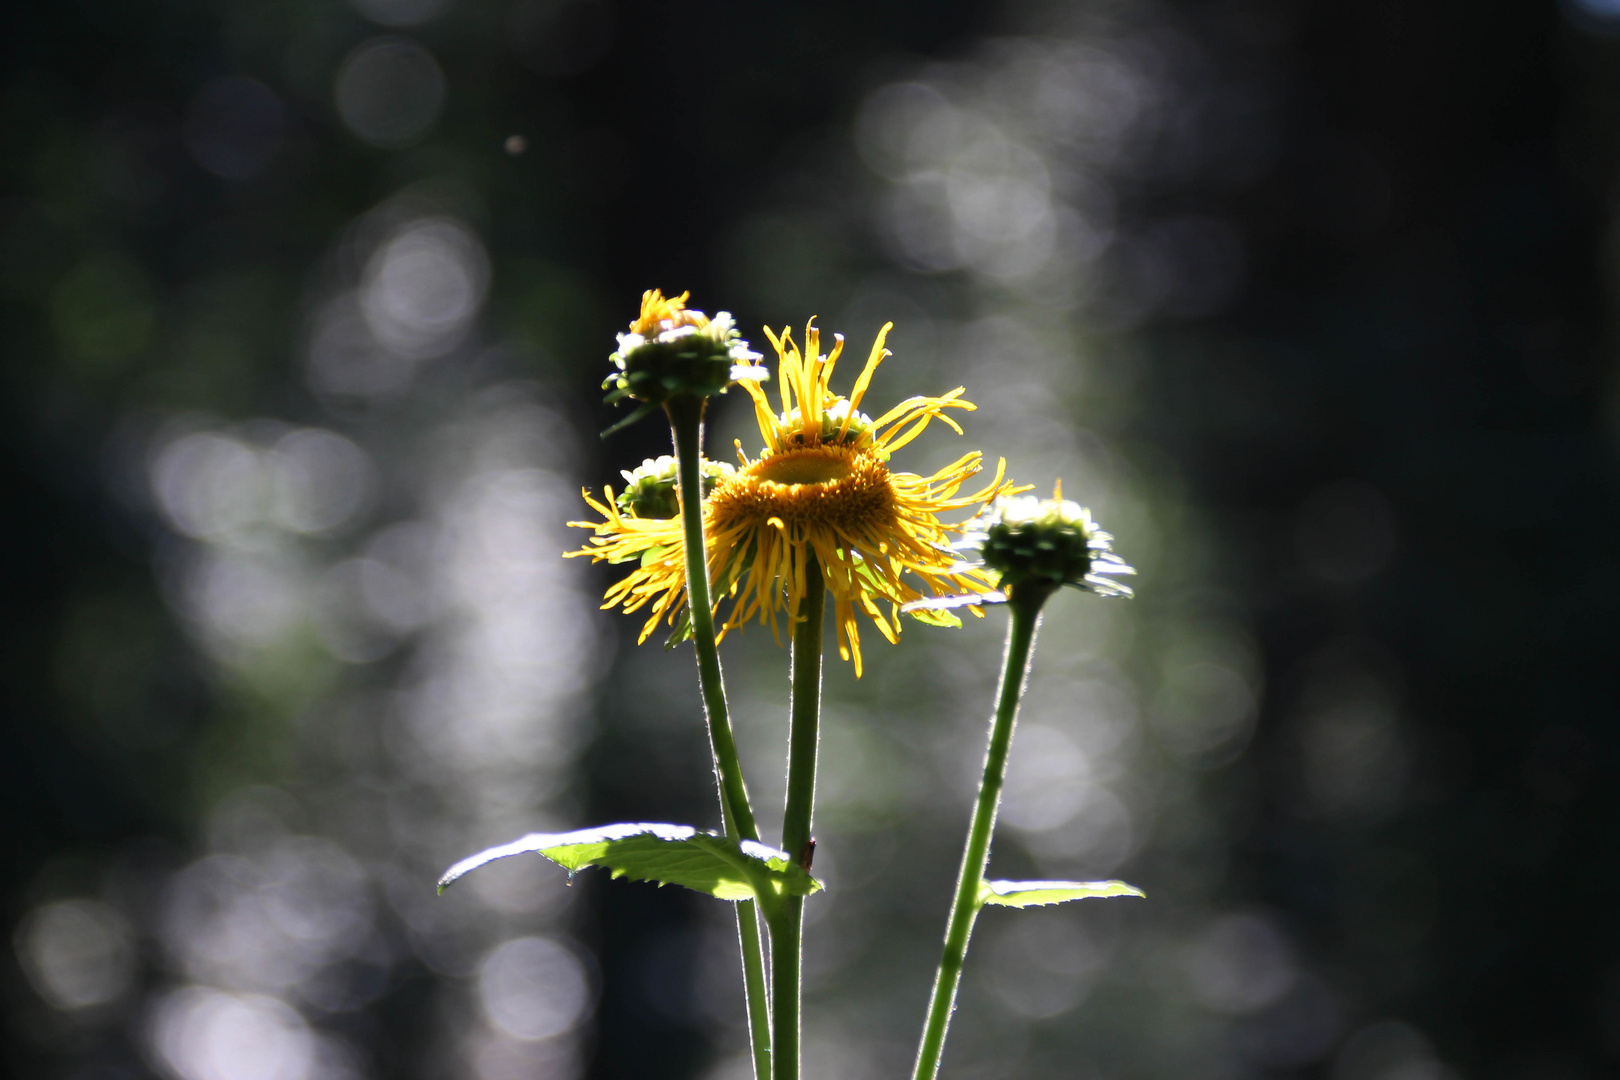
(1372, 418)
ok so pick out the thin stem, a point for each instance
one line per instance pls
(686, 424)
(787, 917)
(804, 730)
(1026, 618)
(755, 990)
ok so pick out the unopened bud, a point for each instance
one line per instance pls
(650, 488)
(673, 350)
(1049, 541)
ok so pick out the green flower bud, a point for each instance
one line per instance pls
(1049, 541)
(650, 490)
(672, 350)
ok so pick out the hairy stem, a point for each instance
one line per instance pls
(755, 991)
(1026, 617)
(804, 723)
(686, 424)
(686, 421)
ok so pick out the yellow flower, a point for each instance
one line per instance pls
(821, 487)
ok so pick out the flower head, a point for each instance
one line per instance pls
(820, 496)
(1054, 541)
(671, 349)
(650, 489)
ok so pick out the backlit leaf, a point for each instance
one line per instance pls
(934, 618)
(1035, 893)
(946, 603)
(667, 854)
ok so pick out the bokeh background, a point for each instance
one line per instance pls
(304, 304)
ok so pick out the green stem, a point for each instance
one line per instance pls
(1026, 617)
(754, 988)
(804, 730)
(787, 917)
(686, 424)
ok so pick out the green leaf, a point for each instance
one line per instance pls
(619, 395)
(945, 603)
(934, 618)
(682, 630)
(653, 554)
(869, 577)
(668, 854)
(1033, 893)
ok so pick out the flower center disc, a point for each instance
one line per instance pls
(847, 492)
(805, 467)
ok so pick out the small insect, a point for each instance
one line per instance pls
(807, 854)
